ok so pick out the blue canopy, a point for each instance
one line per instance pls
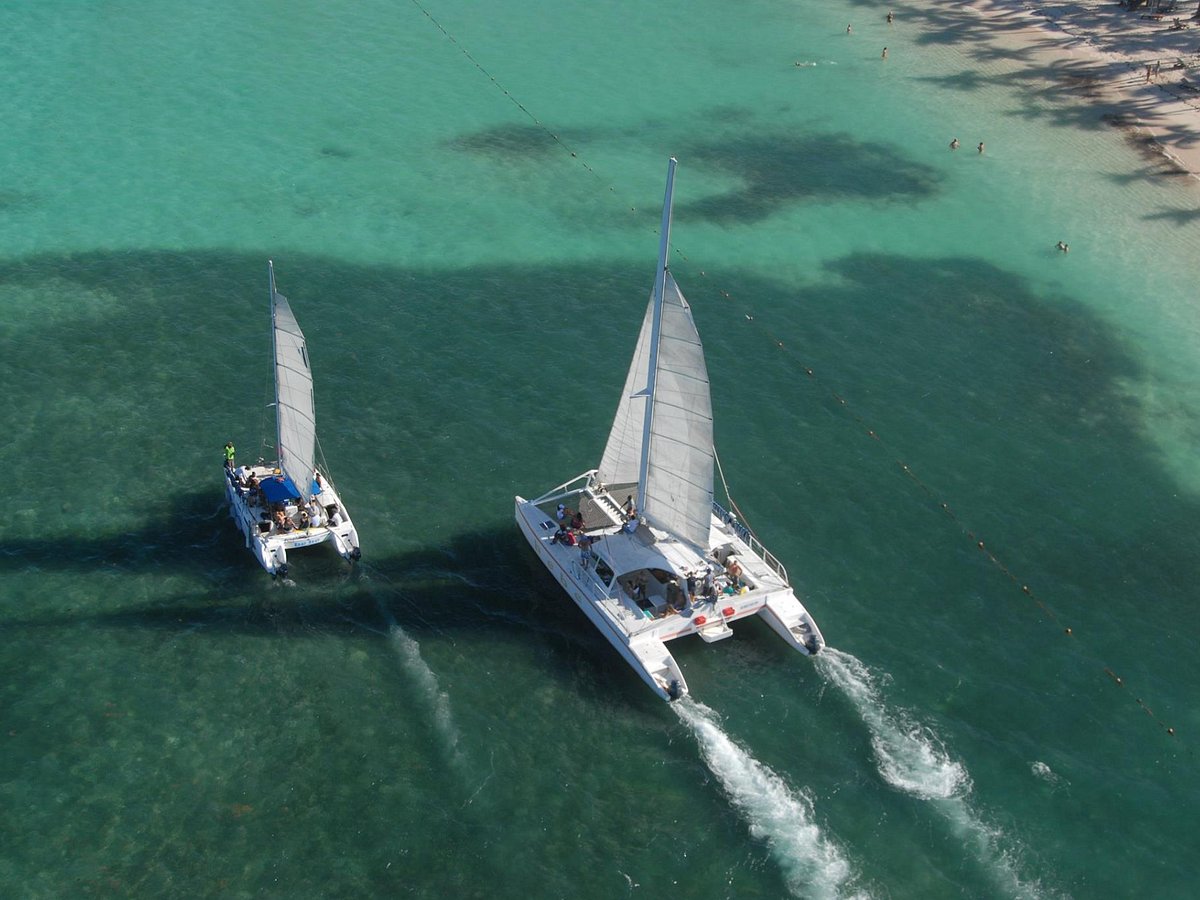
(279, 489)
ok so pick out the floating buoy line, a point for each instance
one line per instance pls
(858, 420)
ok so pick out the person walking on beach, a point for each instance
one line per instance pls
(954, 144)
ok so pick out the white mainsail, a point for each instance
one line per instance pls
(662, 438)
(295, 413)
(677, 492)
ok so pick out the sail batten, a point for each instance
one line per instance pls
(295, 409)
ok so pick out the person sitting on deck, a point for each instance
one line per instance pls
(561, 512)
(639, 590)
(282, 522)
(335, 515)
(632, 525)
(560, 536)
(577, 521)
(733, 569)
(314, 511)
(675, 601)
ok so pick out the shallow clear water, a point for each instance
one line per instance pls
(442, 720)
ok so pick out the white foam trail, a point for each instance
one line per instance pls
(1044, 772)
(998, 853)
(813, 865)
(911, 758)
(409, 652)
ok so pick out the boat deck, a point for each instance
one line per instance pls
(592, 553)
(272, 529)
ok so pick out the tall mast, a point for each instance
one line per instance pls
(660, 280)
(275, 367)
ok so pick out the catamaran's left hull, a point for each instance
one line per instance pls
(646, 654)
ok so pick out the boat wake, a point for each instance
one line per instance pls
(409, 652)
(812, 863)
(911, 758)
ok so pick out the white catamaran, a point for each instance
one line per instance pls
(639, 543)
(291, 504)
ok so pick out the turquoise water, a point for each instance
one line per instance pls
(442, 721)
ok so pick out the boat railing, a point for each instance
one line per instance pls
(752, 542)
(566, 488)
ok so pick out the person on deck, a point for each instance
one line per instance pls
(314, 511)
(577, 521)
(675, 595)
(733, 569)
(229, 456)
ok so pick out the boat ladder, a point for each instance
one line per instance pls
(717, 630)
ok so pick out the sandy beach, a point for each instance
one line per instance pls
(1102, 53)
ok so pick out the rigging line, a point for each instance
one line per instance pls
(774, 339)
(517, 103)
(729, 497)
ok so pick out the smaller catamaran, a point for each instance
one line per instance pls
(291, 504)
(639, 543)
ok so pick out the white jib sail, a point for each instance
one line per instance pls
(294, 409)
(623, 452)
(679, 480)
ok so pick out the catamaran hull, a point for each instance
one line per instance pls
(648, 657)
(645, 648)
(271, 548)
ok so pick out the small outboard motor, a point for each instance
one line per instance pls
(675, 691)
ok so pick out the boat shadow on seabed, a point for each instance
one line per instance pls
(465, 585)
